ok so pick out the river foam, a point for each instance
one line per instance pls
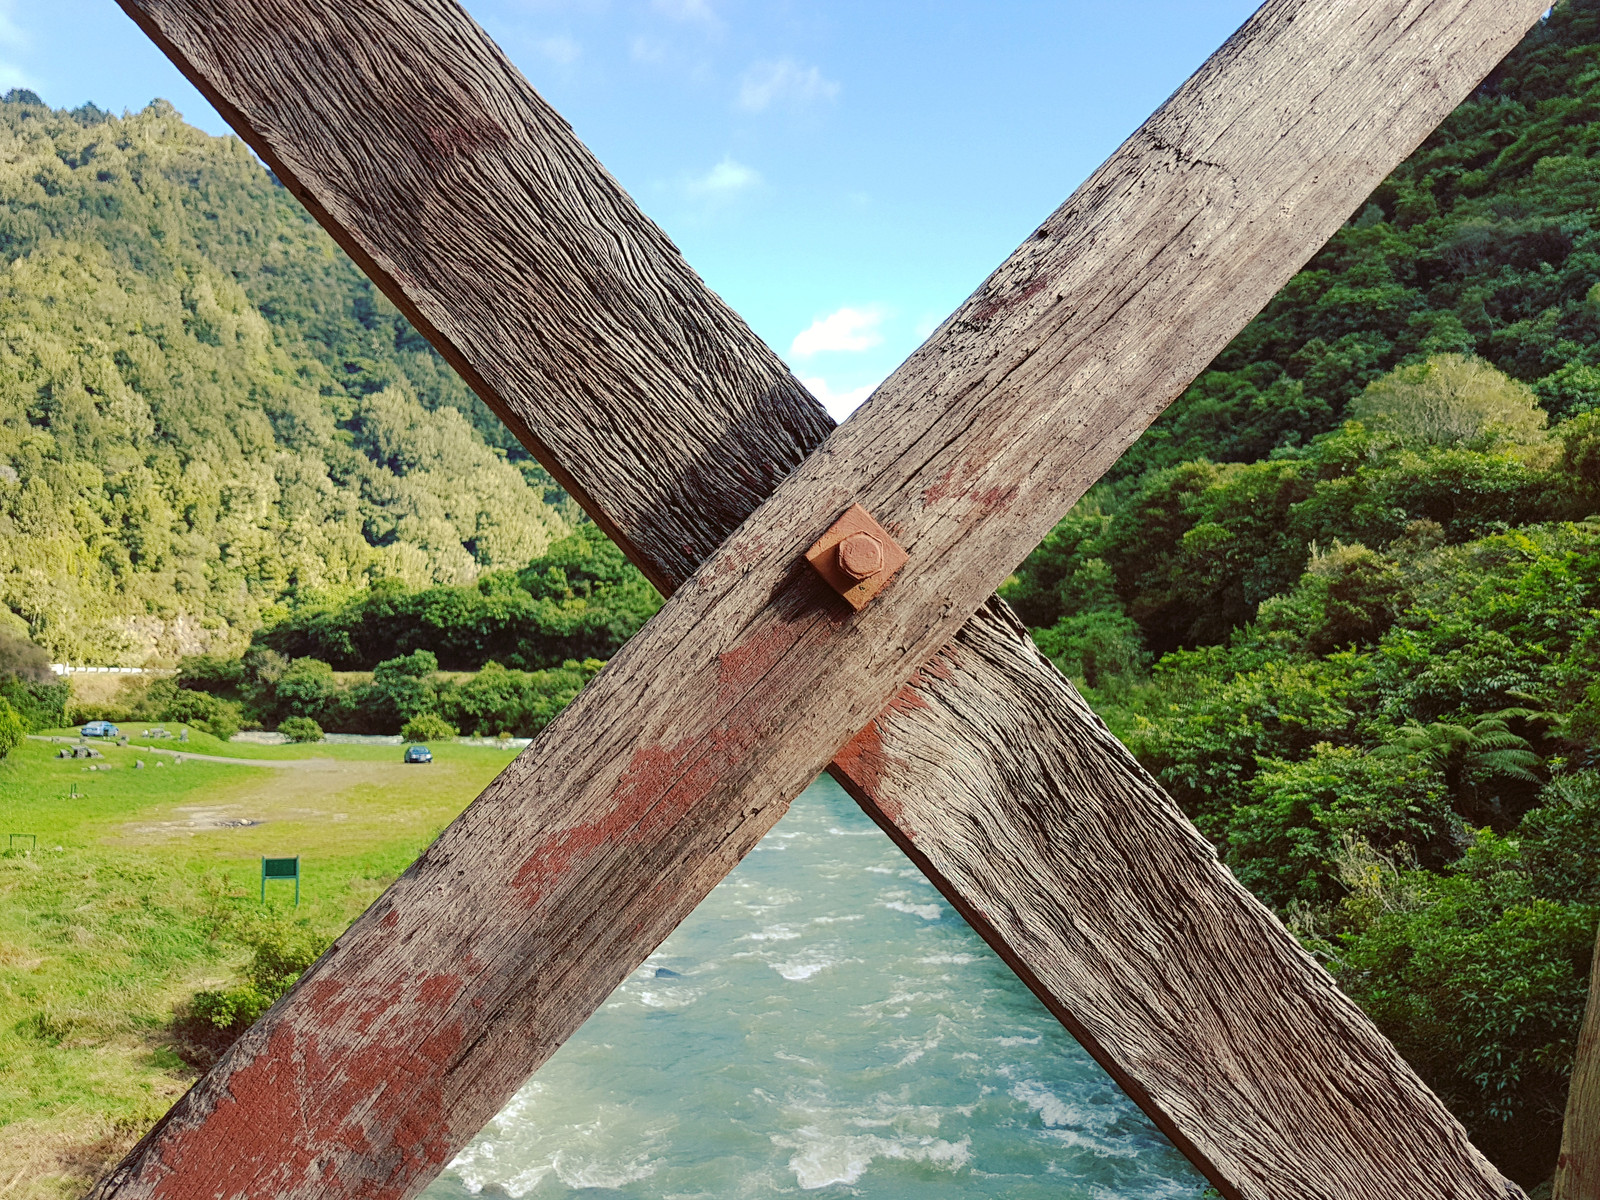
(822, 1025)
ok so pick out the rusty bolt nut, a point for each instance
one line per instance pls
(860, 556)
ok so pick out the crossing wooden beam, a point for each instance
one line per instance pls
(470, 202)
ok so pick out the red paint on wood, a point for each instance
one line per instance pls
(656, 791)
(741, 668)
(947, 486)
(866, 762)
(466, 137)
(387, 1096)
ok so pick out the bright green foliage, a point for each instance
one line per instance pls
(1451, 400)
(306, 694)
(581, 599)
(1361, 556)
(499, 700)
(1473, 752)
(279, 953)
(13, 730)
(1480, 975)
(1282, 842)
(166, 700)
(300, 729)
(204, 407)
(427, 727)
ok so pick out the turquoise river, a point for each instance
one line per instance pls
(824, 1024)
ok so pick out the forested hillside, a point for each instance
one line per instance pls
(205, 409)
(1344, 598)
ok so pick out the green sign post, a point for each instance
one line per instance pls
(281, 868)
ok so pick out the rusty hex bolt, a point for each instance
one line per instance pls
(860, 556)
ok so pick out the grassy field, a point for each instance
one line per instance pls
(136, 894)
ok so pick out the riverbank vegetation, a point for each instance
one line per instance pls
(1344, 599)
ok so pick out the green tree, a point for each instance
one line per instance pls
(12, 729)
(1449, 400)
(1473, 755)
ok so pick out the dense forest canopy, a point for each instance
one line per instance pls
(206, 409)
(1344, 598)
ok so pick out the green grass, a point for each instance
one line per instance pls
(137, 895)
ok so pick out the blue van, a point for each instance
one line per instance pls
(100, 729)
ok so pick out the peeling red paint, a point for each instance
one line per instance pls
(439, 990)
(986, 500)
(864, 760)
(743, 666)
(655, 792)
(938, 489)
(372, 1092)
(467, 136)
(996, 305)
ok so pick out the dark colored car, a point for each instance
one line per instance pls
(418, 754)
(100, 729)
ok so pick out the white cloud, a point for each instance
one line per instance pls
(848, 331)
(10, 33)
(839, 404)
(783, 81)
(560, 50)
(686, 10)
(725, 179)
(12, 38)
(647, 50)
(13, 76)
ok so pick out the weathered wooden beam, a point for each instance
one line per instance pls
(1578, 1168)
(614, 272)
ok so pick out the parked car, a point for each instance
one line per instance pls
(418, 754)
(102, 729)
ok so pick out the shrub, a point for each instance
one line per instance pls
(1282, 843)
(497, 700)
(306, 688)
(427, 727)
(215, 1019)
(12, 729)
(1094, 646)
(165, 700)
(40, 704)
(300, 729)
(1482, 987)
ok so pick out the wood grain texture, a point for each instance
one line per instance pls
(521, 269)
(1578, 1169)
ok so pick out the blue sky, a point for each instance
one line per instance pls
(844, 174)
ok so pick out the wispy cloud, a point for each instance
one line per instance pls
(727, 178)
(647, 50)
(847, 331)
(12, 39)
(560, 49)
(839, 404)
(699, 11)
(783, 81)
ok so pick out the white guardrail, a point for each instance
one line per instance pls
(69, 669)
